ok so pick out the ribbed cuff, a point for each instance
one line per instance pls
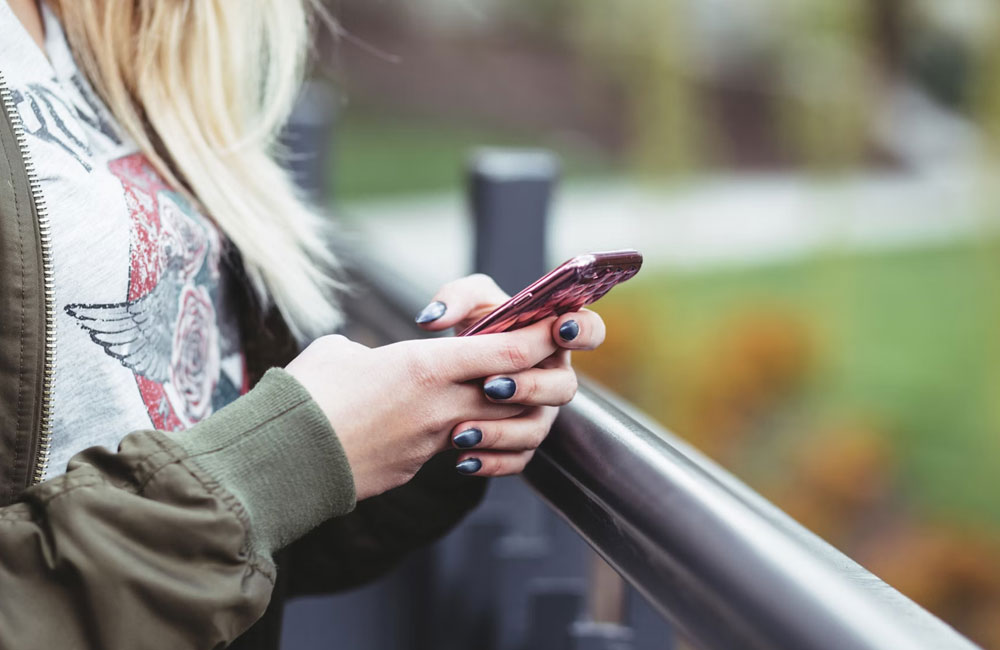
(275, 450)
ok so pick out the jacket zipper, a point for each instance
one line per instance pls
(41, 210)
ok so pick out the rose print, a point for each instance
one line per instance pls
(194, 363)
(166, 330)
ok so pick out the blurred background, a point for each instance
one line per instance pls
(815, 187)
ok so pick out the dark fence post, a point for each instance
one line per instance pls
(510, 193)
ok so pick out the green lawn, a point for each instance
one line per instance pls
(909, 339)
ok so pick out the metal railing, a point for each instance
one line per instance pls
(722, 564)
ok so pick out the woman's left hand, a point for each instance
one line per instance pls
(501, 447)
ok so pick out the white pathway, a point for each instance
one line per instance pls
(716, 221)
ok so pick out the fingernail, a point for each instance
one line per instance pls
(500, 388)
(431, 312)
(569, 330)
(468, 438)
(469, 466)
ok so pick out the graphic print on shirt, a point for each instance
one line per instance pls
(47, 115)
(166, 330)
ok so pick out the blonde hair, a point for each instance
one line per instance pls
(203, 87)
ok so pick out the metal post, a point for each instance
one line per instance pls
(510, 193)
(553, 606)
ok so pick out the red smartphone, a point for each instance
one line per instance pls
(569, 287)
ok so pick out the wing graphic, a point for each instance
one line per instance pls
(139, 333)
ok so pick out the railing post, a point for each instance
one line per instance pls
(510, 192)
(553, 607)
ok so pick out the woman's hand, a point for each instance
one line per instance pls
(393, 407)
(396, 406)
(504, 446)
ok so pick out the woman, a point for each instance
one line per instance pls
(142, 223)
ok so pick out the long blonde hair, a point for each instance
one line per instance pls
(203, 87)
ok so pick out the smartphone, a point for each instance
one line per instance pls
(569, 287)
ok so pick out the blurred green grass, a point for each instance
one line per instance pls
(380, 155)
(905, 338)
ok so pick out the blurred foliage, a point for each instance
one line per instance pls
(645, 44)
(986, 93)
(812, 60)
(826, 71)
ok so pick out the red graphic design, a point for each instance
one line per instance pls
(176, 364)
(142, 184)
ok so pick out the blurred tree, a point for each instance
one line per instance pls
(647, 45)
(826, 71)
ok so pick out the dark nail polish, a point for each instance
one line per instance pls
(468, 438)
(500, 388)
(469, 466)
(431, 312)
(569, 330)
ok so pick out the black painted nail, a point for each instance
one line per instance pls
(569, 330)
(431, 312)
(500, 388)
(469, 466)
(468, 438)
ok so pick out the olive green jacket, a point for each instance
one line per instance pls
(171, 541)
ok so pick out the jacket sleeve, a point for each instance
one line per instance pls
(381, 530)
(167, 543)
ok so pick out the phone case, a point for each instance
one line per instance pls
(569, 287)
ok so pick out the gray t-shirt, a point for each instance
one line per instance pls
(145, 334)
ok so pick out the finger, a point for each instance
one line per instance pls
(474, 357)
(461, 300)
(579, 330)
(467, 403)
(496, 463)
(512, 434)
(535, 387)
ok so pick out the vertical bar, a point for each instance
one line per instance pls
(510, 193)
(606, 598)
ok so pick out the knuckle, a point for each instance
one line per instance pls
(492, 435)
(516, 355)
(528, 389)
(492, 465)
(421, 369)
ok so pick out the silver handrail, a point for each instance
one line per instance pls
(723, 564)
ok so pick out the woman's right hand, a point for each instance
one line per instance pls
(394, 407)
